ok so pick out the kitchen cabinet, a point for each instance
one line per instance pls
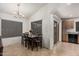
(78, 38)
(65, 38)
(68, 24)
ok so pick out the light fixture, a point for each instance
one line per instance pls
(18, 6)
(18, 13)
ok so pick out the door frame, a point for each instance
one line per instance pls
(57, 31)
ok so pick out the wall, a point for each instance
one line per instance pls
(12, 40)
(53, 18)
(44, 14)
(0, 27)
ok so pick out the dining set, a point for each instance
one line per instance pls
(31, 42)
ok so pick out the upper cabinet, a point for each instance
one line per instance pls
(68, 24)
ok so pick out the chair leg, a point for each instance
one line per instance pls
(32, 46)
(37, 45)
(28, 45)
(40, 45)
(25, 43)
(22, 41)
(1, 51)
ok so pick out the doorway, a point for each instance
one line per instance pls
(56, 32)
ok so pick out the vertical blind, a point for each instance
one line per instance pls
(11, 28)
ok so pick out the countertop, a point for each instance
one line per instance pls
(71, 32)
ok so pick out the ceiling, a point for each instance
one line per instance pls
(25, 9)
(65, 10)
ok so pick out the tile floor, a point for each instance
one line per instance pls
(60, 49)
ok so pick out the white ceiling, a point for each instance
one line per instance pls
(26, 9)
(69, 10)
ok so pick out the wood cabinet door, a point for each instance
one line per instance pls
(65, 38)
(68, 24)
(78, 38)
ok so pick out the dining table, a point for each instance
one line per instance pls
(34, 41)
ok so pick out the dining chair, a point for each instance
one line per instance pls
(36, 43)
(1, 47)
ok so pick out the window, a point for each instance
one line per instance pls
(11, 28)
